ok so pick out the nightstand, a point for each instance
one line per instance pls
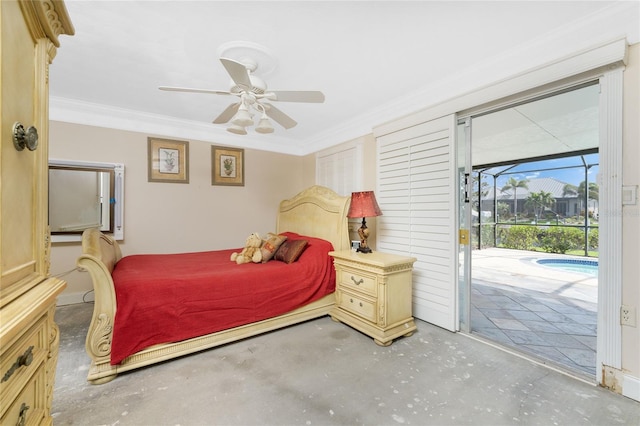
(373, 294)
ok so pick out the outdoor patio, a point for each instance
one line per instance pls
(548, 313)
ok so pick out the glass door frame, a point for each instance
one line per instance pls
(463, 150)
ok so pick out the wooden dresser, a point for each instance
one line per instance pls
(28, 336)
(374, 294)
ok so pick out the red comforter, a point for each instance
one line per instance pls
(163, 298)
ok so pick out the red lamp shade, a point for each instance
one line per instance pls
(364, 204)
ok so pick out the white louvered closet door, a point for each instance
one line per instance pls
(417, 194)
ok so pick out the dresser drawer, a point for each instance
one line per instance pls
(21, 360)
(29, 406)
(355, 279)
(358, 306)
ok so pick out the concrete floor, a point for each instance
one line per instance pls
(325, 373)
(548, 313)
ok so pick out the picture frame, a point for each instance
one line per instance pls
(168, 160)
(227, 166)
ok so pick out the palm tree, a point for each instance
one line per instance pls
(585, 195)
(569, 189)
(514, 184)
(533, 201)
(580, 192)
(540, 201)
(593, 191)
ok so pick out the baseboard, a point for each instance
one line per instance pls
(631, 387)
(73, 298)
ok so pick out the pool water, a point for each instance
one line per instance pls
(589, 267)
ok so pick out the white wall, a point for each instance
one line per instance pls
(631, 215)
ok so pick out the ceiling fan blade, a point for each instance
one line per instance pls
(187, 89)
(238, 73)
(295, 96)
(227, 114)
(280, 117)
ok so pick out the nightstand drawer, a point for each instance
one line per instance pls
(358, 306)
(357, 280)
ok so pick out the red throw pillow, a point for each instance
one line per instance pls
(290, 250)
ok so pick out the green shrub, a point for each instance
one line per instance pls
(561, 240)
(487, 236)
(593, 238)
(519, 237)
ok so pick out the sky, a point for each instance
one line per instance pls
(563, 169)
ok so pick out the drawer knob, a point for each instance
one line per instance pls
(22, 416)
(360, 281)
(23, 360)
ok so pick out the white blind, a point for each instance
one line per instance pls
(416, 192)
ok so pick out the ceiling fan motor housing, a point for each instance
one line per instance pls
(258, 86)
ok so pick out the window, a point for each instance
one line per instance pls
(85, 195)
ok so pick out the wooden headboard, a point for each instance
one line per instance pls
(317, 212)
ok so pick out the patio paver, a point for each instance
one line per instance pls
(549, 314)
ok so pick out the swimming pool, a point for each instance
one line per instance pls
(589, 267)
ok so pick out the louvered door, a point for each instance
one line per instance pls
(417, 194)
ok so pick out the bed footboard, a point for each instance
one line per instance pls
(100, 253)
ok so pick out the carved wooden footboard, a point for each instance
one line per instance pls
(100, 255)
(317, 212)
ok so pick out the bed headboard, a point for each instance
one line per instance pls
(317, 212)
(102, 247)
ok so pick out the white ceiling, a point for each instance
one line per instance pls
(374, 60)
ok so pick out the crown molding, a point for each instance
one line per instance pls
(91, 114)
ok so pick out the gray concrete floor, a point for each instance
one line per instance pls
(547, 313)
(325, 373)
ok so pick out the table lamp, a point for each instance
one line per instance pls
(363, 204)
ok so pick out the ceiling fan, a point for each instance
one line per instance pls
(253, 95)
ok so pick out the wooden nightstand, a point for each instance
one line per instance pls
(373, 294)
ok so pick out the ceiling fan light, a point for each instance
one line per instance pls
(264, 126)
(238, 130)
(242, 118)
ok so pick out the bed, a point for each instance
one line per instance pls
(317, 215)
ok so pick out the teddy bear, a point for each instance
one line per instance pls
(251, 251)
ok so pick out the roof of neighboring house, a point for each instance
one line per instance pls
(551, 185)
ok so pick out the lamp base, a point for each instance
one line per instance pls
(363, 232)
(364, 250)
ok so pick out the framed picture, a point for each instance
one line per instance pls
(227, 166)
(168, 160)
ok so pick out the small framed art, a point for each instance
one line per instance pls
(227, 166)
(168, 160)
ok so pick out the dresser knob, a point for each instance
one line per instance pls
(25, 138)
(22, 416)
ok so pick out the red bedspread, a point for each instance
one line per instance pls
(163, 298)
